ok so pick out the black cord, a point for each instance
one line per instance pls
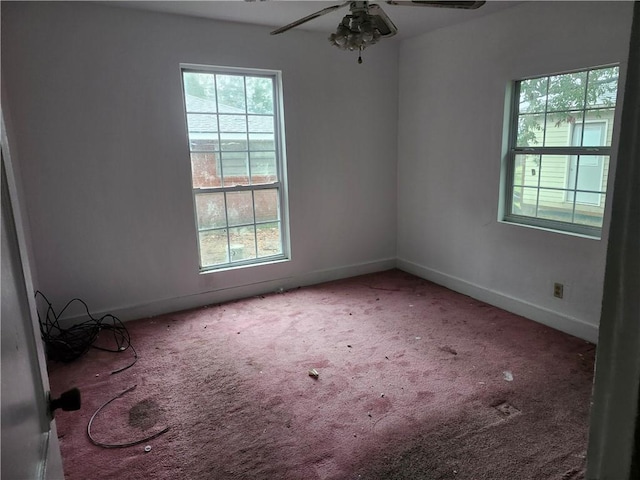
(67, 344)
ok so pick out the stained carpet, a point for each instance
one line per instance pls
(414, 382)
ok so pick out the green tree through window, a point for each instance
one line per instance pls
(562, 96)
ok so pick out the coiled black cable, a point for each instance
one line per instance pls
(68, 344)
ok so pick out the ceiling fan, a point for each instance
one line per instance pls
(366, 22)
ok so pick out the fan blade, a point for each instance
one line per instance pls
(308, 18)
(383, 23)
(444, 4)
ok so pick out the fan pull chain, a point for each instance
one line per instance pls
(360, 55)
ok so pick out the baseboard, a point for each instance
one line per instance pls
(564, 323)
(570, 325)
(328, 275)
(227, 294)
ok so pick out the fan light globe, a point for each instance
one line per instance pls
(355, 32)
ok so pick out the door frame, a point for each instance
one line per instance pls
(50, 463)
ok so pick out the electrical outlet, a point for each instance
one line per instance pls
(558, 290)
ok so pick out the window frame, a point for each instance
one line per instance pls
(280, 184)
(513, 150)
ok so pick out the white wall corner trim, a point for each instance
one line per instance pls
(571, 325)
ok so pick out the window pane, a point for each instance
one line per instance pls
(233, 123)
(200, 95)
(592, 134)
(566, 92)
(210, 210)
(530, 130)
(590, 176)
(214, 249)
(202, 122)
(558, 128)
(233, 141)
(269, 239)
(602, 87)
(553, 171)
(592, 214)
(259, 95)
(266, 205)
(240, 208)
(586, 173)
(524, 201)
(552, 205)
(261, 141)
(597, 129)
(230, 90)
(242, 243)
(526, 170)
(203, 142)
(260, 123)
(263, 167)
(235, 168)
(533, 95)
(204, 170)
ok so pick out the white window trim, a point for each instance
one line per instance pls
(281, 184)
(511, 150)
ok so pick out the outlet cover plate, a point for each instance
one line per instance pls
(558, 290)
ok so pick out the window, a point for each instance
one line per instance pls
(559, 150)
(234, 125)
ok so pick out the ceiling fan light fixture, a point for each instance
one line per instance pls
(367, 22)
(355, 32)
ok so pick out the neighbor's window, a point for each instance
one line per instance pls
(234, 124)
(559, 150)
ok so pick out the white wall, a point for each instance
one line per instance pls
(452, 101)
(95, 99)
(95, 103)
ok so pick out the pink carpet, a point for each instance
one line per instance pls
(415, 382)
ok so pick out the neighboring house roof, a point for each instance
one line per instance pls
(201, 115)
(199, 104)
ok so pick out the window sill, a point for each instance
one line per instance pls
(226, 268)
(550, 229)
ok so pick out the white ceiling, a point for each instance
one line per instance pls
(411, 21)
